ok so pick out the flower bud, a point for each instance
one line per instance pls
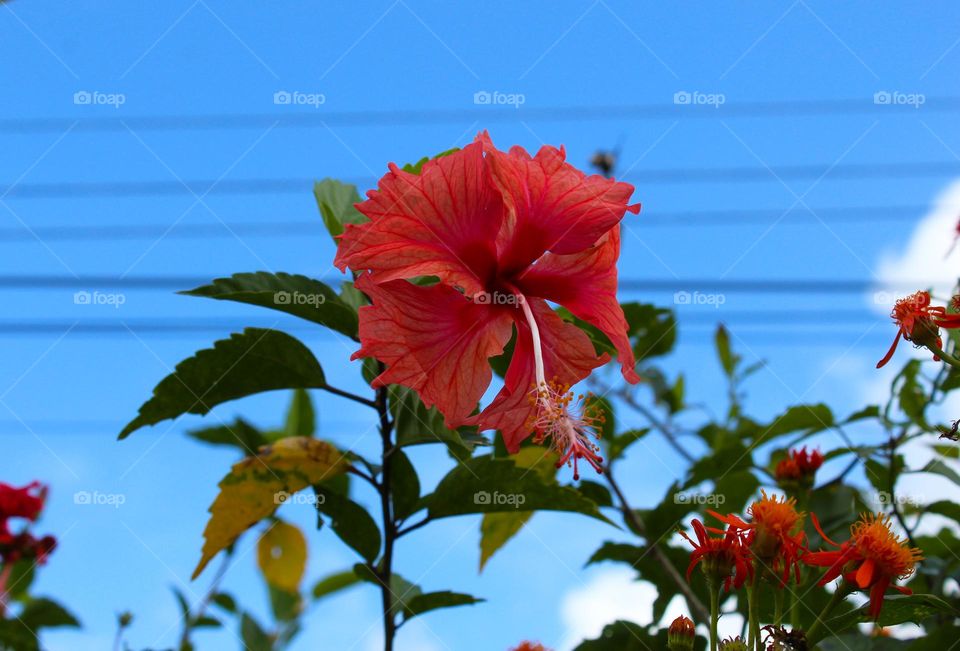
(680, 634)
(733, 644)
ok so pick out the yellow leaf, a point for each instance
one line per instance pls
(256, 486)
(282, 556)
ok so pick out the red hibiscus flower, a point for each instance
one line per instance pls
(919, 322)
(500, 234)
(26, 502)
(872, 559)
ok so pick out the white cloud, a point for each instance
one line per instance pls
(924, 257)
(614, 593)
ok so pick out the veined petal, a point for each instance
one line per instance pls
(442, 222)
(568, 357)
(434, 341)
(552, 205)
(586, 284)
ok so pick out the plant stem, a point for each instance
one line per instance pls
(385, 573)
(700, 611)
(841, 593)
(714, 614)
(778, 606)
(946, 357)
(351, 396)
(753, 609)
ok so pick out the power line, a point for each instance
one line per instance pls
(289, 228)
(701, 285)
(680, 176)
(480, 114)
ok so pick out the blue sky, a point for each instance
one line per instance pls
(66, 392)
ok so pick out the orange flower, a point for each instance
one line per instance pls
(799, 467)
(873, 558)
(723, 559)
(530, 646)
(774, 535)
(919, 322)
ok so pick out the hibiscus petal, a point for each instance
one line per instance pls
(586, 284)
(568, 357)
(434, 341)
(442, 222)
(553, 205)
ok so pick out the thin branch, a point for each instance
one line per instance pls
(697, 606)
(350, 396)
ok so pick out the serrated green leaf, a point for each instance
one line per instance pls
(427, 601)
(240, 434)
(255, 361)
(294, 294)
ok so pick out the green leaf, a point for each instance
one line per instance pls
(301, 420)
(617, 445)
(897, 609)
(294, 294)
(46, 613)
(252, 362)
(496, 529)
(945, 508)
(728, 359)
(404, 485)
(334, 583)
(628, 636)
(428, 601)
(401, 590)
(809, 418)
(336, 203)
(415, 424)
(351, 522)
(225, 601)
(652, 329)
(240, 434)
(939, 467)
(253, 636)
(487, 485)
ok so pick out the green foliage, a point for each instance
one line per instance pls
(252, 362)
(294, 294)
(336, 202)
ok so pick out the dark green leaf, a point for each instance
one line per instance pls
(728, 359)
(301, 420)
(898, 609)
(240, 434)
(253, 636)
(252, 362)
(488, 485)
(404, 485)
(428, 601)
(294, 294)
(417, 168)
(335, 583)
(351, 522)
(46, 613)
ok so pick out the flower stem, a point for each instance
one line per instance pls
(778, 607)
(714, 614)
(946, 357)
(4, 577)
(753, 609)
(385, 571)
(839, 595)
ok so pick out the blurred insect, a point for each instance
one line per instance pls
(605, 160)
(780, 639)
(953, 433)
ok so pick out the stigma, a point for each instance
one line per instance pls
(572, 426)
